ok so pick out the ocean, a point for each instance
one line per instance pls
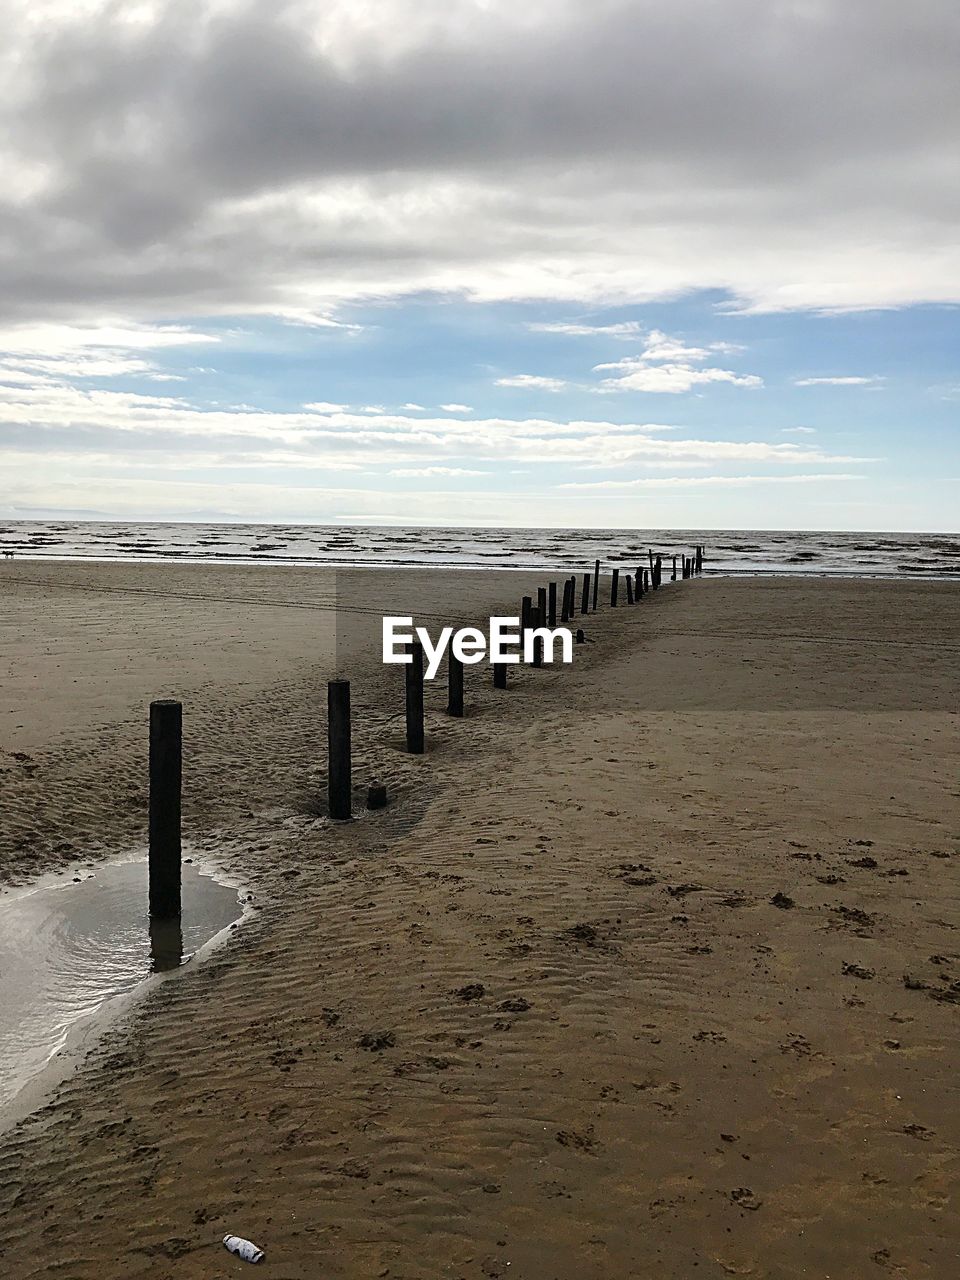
(747, 551)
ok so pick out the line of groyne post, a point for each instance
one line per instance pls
(166, 715)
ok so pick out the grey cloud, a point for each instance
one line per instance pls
(236, 156)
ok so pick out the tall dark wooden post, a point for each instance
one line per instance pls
(565, 606)
(699, 559)
(499, 675)
(585, 595)
(629, 582)
(338, 749)
(454, 685)
(638, 582)
(673, 575)
(614, 587)
(552, 604)
(573, 595)
(596, 583)
(166, 770)
(414, 691)
(536, 620)
(526, 604)
(541, 607)
(646, 581)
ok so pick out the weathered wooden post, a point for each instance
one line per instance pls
(499, 675)
(596, 583)
(454, 685)
(650, 555)
(537, 621)
(585, 594)
(638, 582)
(629, 581)
(552, 604)
(414, 691)
(699, 559)
(166, 769)
(542, 606)
(573, 595)
(338, 749)
(565, 606)
(581, 638)
(646, 581)
(376, 795)
(614, 585)
(673, 575)
(658, 569)
(526, 604)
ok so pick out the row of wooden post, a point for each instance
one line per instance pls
(166, 718)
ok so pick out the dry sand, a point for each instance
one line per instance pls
(543, 1017)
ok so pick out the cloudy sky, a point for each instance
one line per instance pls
(625, 262)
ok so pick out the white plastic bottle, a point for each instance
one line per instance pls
(244, 1249)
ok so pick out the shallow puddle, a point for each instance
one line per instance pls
(67, 947)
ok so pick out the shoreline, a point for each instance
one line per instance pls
(564, 922)
(384, 564)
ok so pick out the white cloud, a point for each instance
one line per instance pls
(837, 382)
(48, 416)
(43, 351)
(415, 408)
(628, 329)
(436, 471)
(668, 366)
(671, 379)
(324, 406)
(674, 482)
(798, 431)
(533, 382)
(456, 408)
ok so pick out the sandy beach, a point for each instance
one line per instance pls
(651, 968)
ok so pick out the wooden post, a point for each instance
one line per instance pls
(673, 575)
(565, 606)
(650, 554)
(166, 770)
(585, 595)
(526, 604)
(499, 675)
(552, 604)
(646, 581)
(614, 585)
(541, 607)
(581, 638)
(376, 795)
(573, 595)
(596, 583)
(629, 581)
(536, 620)
(638, 582)
(699, 559)
(338, 749)
(657, 573)
(414, 691)
(454, 685)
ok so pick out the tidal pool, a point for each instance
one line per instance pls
(66, 948)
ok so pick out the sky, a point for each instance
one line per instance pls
(472, 262)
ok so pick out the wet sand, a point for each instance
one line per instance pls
(651, 969)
